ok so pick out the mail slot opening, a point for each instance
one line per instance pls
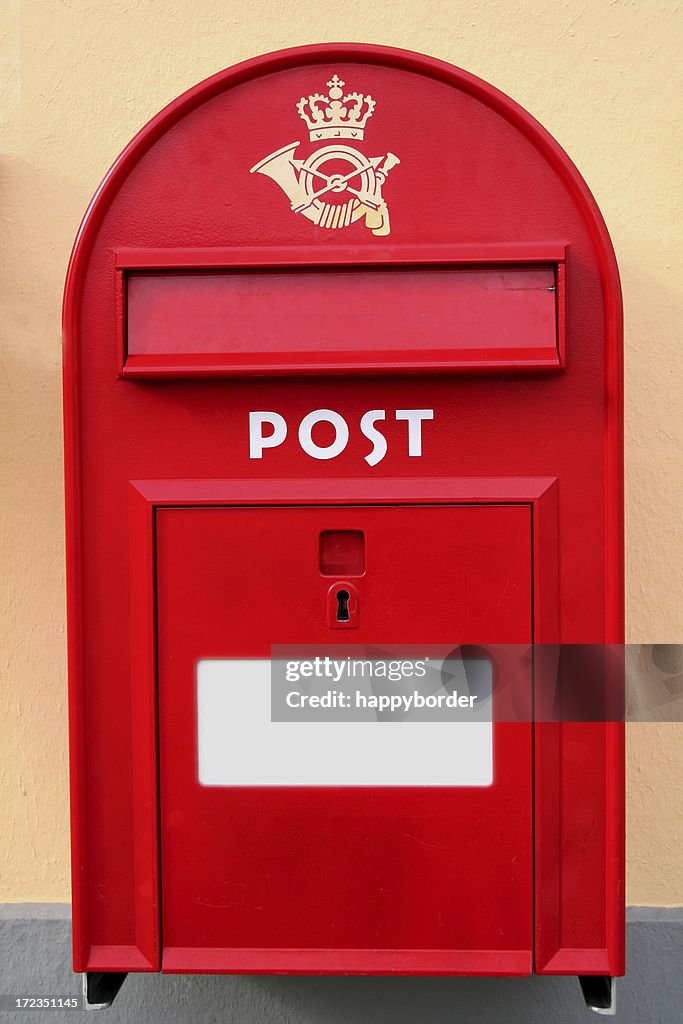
(364, 318)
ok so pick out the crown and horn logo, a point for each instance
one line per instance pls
(336, 184)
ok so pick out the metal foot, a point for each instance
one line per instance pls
(600, 993)
(101, 988)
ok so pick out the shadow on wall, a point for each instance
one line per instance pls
(263, 1000)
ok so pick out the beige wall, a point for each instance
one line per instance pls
(79, 77)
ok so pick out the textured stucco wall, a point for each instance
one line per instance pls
(78, 78)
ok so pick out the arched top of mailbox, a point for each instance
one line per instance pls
(388, 59)
(338, 154)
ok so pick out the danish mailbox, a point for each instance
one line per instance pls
(342, 370)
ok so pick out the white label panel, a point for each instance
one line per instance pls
(239, 745)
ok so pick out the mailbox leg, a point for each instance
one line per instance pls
(599, 992)
(100, 988)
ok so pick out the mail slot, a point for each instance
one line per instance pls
(342, 378)
(275, 319)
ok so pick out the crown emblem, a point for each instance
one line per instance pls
(336, 116)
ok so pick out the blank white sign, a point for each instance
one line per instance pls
(239, 745)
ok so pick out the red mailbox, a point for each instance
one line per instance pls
(342, 366)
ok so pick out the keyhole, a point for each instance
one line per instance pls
(342, 606)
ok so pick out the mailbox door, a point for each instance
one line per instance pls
(343, 878)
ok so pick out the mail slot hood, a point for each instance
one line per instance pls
(281, 316)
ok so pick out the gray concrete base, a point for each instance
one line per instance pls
(35, 958)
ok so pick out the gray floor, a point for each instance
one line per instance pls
(35, 959)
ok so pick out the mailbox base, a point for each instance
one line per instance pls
(101, 988)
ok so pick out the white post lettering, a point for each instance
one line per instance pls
(414, 418)
(379, 442)
(341, 434)
(257, 441)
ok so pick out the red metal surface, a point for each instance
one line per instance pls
(478, 173)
